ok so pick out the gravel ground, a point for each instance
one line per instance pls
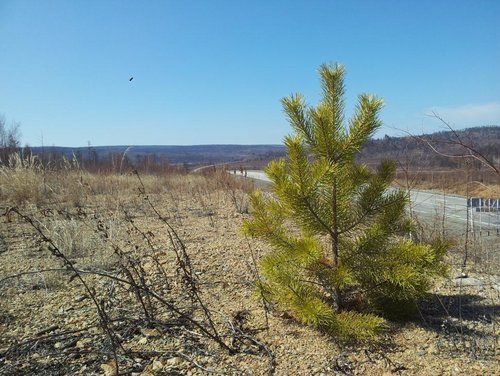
(49, 324)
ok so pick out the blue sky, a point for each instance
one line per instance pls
(213, 72)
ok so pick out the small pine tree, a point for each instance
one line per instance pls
(341, 255)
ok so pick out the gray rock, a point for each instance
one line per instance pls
(469, 281)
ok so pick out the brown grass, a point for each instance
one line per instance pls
(483, 183)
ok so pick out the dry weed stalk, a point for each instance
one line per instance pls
(155, 304)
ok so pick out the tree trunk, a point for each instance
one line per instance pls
(337, 298)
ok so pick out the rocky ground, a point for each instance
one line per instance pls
(209, 319)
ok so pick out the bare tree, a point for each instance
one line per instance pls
(10, 139)
(467, 148)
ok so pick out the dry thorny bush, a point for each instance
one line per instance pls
(132, 267)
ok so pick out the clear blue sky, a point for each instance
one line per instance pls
(209, 72)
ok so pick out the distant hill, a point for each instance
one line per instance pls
(414, 149)
(440, 149)
(191, 155)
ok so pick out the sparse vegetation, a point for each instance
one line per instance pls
(129, 262)
(50, 324)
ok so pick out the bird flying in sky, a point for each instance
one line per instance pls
(131, 78)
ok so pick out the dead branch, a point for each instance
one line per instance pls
(471, 151)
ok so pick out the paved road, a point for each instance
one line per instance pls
(222, 164)
(431, 206)
(454, 208)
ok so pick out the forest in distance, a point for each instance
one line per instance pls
(441, 150)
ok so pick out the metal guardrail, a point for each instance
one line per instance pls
(484, 204)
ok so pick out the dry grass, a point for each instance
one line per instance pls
(483, 183)
(25, 180)
(22, 180)
(81, 243)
